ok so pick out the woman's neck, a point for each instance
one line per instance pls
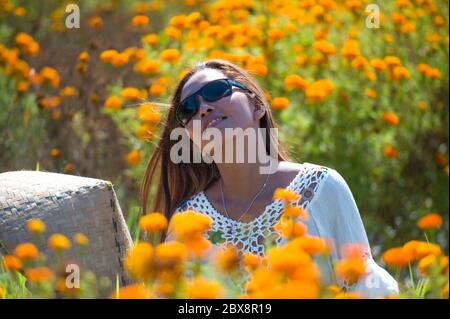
(241, 181)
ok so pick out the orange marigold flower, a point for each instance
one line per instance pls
(379, 64)
(173, 33)
(391, 118)
(286, 195)
(26, 43)
(12, 263)
(429, 262)
(287, 260)
(51, 75)
(170, 55)
(422, 68)
(68, 91)
(350, 270)
(439, 21)
(145, 131)
(352, 266)
(22, 86)
(360, 62)
(179, 21)
(96, 22)
(27, 252)
(292, 290)
(288, 228)
(262, 279)
(430, 221)
(139, 261)
(348, 295)
(59, 242)
(198, 246)
(350, 49)
(259, 69)
(150, 39)
(325, 47)
(55, 153)
(441, 158)
(318, 91)
(420, 249)
(39, 274)
(130, 93)
(135, 291)
(169, 255)
(69, 168)
(279, 103)
(295, 81)
(140, 21)
(275, 34)
(36, 226)
(433, 73)
(397, 256)
(189, 224)
(19, 11)
(422, 105)
(120, 59)
(313, 245)
(153, 222)
(408, 27)
(83, 57)
(144, 109)
(371, 93)
(150, 117)
(113, 103)
(147, 67)
(390, 151)
(80, 239)
(372, 76)
(392, 61)
(228, 258)
(251, 261)
(296, 211)
(201, 288)
(400, 73)
(107, 55)
(157, 89)
(134, 157)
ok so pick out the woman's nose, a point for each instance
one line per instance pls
(205, 108)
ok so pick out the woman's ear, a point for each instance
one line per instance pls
(259, 113)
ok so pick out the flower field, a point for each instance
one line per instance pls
(360, 86)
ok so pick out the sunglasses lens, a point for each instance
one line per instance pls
(187, 110)
(210, 92)
(215, 90)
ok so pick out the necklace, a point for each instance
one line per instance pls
(254, 198)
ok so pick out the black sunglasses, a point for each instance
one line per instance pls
(212, 91)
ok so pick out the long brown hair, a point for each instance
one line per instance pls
(178, 182)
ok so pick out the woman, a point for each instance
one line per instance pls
(218, 95)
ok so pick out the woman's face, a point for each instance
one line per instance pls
(232, 111)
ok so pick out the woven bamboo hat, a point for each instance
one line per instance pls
(67, 204)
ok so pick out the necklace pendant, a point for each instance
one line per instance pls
(216, 237)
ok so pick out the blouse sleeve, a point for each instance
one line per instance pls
(338, 217)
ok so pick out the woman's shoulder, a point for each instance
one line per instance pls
(193, 202)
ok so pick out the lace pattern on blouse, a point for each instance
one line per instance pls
(250, 236)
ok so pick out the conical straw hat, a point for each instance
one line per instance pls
(67, 204)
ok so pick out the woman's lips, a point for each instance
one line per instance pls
(215, 121)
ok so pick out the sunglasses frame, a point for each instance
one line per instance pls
(194, 95)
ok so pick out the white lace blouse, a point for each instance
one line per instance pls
(333, 215)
